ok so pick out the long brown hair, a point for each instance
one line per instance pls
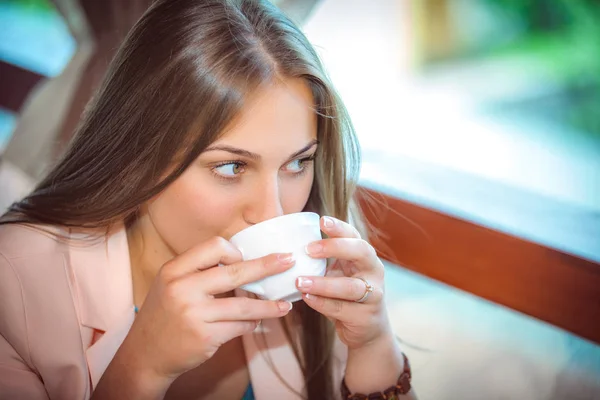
(181, 75)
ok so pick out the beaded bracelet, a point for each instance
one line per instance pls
(402, 386)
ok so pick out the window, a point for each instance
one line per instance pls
(34, 43)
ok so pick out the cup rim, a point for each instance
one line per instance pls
(271, 222)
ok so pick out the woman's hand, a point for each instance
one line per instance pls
(374, 358)
(182, 324)
(357, 324)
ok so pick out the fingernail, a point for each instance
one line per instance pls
(304, 283)
(314, 248)
(286, 258)
(328, 222)
(285, 306)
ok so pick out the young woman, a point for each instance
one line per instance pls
(214, 115)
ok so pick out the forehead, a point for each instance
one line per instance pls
(279, 116)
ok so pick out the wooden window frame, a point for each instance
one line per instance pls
(544, 283)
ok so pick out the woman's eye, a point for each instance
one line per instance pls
(295, 166)
(231, 169)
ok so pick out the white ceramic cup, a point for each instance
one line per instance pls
(285, 234)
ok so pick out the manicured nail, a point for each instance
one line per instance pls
(328, 222)
(314, 248)
(286, 258)
(285, 306)
(304, 283)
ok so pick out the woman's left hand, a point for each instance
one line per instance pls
(358, 324)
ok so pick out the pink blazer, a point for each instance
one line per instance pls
(65, 309)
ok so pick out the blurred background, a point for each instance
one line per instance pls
(486, 112)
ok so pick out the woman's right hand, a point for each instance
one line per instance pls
(182, 324)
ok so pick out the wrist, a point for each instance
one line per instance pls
(120, 381)
(148, 381)
(374, 366)
(401, 387)
(128, 375)
(382, 344)
(149, 384)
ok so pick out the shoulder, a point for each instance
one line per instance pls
(17, 240)
(36, 276)
(29, 261)
(39, 310)
(26, 252)
(32, 265)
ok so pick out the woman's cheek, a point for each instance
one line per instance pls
(190, 212)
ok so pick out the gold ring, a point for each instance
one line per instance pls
(368, 290)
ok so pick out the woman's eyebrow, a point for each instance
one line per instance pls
(254, 156)
(234, 150)
(304, 149)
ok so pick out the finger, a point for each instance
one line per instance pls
(206, 255)
(244, 309)
(228, 330)
(335, 228)
(332, 308)
(358, 251)
(341, 288)
(229, 277)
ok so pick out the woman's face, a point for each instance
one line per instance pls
(260, 169)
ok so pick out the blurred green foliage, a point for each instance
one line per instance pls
(564, 35)
(32, 4)
(563, 32)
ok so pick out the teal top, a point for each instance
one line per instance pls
(249, 395)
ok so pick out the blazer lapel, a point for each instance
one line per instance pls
(102, 275)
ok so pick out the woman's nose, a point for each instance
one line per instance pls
(266, 202)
